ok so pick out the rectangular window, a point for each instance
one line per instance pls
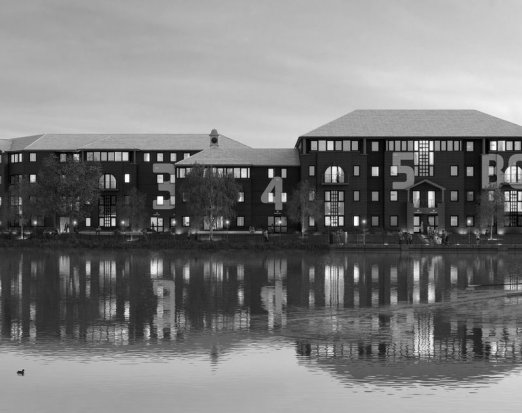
(172, 178)
(334, 208)
(470, 196)
(431, 199)
(63, 157)
(241, 197)
(185, 221)
(356, 196)
(375, 171)
(469, 146)
(283, 172)
(87, 222)
(159, 157)
(356, 220)
(375, 220)
(159, 178)
(454, 220)
(313, 145)
(454, 196)
(311, 221)
(394, 220)
(32, 157)
(375, 146)
(76, 157)
(32, 178)
(186, 155)
(270, 172)
(393, 196)
(470, 221)
(454, 170)
(270, 197)
(356, 170)
(311, 195)
(311, 170)
(240, 221)
(146, 157)
(126, 178)
(172, 157)
(172, 200)
(491, 171)
(416, 199)
(393, 170)
(159, 200)
(375, 196)
(469, 170)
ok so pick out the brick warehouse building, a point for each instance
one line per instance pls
(385, 169)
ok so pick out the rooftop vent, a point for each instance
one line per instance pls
(214, 138)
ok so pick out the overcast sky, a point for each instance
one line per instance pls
(262, 72)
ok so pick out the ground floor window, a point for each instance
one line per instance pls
(277, 224)
(107, 211)
(240, 221)
(156, 224)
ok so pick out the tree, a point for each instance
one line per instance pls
(491, 204)
(210, 195)
(303, 204)
(133, 209)
(22, 202)
(68, 188)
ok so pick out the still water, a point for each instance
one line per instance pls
(256, 332)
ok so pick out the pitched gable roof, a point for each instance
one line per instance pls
(417, 123)
(75, 142)
(243, 157)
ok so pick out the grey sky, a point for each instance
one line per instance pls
(262, 72)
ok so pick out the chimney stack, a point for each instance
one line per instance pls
(214, 138)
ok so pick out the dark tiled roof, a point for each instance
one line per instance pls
(152, 142)
(417, 123)
(243, 156)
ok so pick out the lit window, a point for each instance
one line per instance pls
(76, 157)
(87, 222)
(270, 172)
(172, 200)
(334, 174)
(240, 221)
(394, 220)
(375, 146)
(172, 178)
(311, 221)
(311, 170)
(375, 171)
(454, 170)
(454, 220)
(271, 197)
(356, 196)
(126, 178)
(283, 172)
(186, 155)
(356, 220)
(393, 170)
(470, 221)
(491, 170)
(32, 157)
(356, 170)
(393, 196)
(454, 196)
(470, 196)
(241, 197)
(32, 178)
(159, 157)
(159, 200)
(172, 157)
(283, 197)
(375, 196)
(469, 170)
(159, 178)
(146, 157)
(469, 146)
(311, 195)
(107, 181)
(63, 157)
(186, 221)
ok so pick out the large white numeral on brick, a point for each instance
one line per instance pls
(275, 187)
(397, 159)
(164, 168)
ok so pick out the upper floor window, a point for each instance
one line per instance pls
(63, 157)
(311, 170)
(173, 157)
(513, 175)
(107, 156)
(15, 157)
(107, 181)
(283, 172)
(375, 171)
(270, 172)
(159, 157)
(334, 174)
(32, 157)
(146, 157)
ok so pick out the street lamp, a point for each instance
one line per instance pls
(364, 231)
(469, 230)
(227, 224)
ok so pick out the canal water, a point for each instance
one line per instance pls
(116, 331)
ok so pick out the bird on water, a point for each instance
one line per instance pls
(20, 372)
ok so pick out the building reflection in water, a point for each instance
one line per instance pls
(372, 305)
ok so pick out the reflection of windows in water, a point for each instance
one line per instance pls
(334, 285)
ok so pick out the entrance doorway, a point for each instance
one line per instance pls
(425, 223)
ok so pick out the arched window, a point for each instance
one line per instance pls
(513, 175)
(334, 175)
(107, 181)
